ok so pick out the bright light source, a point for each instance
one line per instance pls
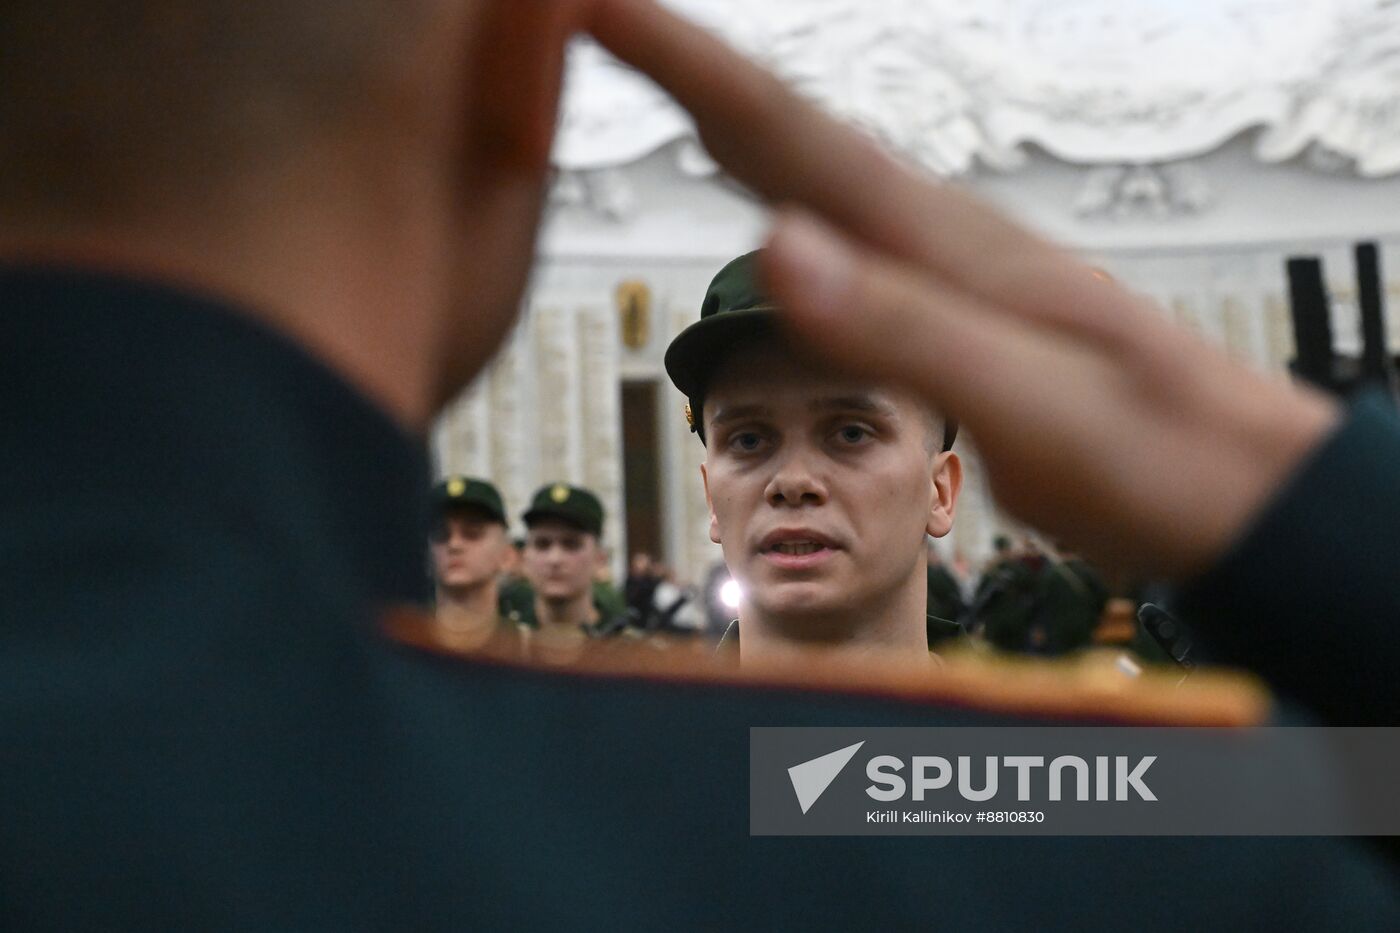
(729, 594)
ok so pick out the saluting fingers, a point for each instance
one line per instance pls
(788, 150)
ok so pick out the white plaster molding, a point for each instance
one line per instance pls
(1094, 82)
(1155, 191)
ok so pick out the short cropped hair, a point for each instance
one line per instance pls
(940, 431)
(106, 105)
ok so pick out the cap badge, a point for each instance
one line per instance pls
(456, 486)
(559, 493)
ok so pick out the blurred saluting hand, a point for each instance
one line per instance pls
(1097, 420)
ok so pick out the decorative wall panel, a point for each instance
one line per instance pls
(1105, 82)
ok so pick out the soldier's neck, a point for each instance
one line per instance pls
(575, 611)
(472, 608)
(893, 628)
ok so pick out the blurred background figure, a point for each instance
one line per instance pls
(1038, 600)
(945, 599)
(513, 568)
(642, 581)
(605, 591)
(470, 550)
(559, 602)
(660, 603)
(676, 605)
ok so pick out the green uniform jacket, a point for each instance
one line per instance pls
(1049, 608)
(518, 606)
(940, 631)
(201, 727)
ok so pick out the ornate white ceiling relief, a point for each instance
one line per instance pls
(1129, 87)
(1349, 106)
(604, 191)
(1155, 191)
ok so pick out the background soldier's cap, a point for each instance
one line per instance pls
(571, 504)
(464, 492)
(735, 310)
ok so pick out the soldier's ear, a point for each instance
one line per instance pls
(947, 483)
(709, 504)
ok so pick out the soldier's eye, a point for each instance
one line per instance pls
(746, 441)
(852, 434)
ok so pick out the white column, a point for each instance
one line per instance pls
(600, 437)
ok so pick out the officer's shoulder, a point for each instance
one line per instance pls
(1093, 689)
(1100, 686)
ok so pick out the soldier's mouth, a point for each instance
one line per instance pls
(798, 548)
(795, 542)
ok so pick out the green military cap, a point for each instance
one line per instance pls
(464, 492)
(735, 310)
(571, 504)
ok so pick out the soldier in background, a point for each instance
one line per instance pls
(605, 590)
(1076, 595)
(562, 547)
(470, 548)
(1040, 602)
(513, 571)
(1001, 548)
(674, 608)
(641, 584)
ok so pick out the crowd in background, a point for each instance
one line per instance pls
(1029, 597)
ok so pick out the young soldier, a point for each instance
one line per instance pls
(821, 490)
(562, 548)
(470, 548)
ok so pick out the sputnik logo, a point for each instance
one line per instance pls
(811, 778)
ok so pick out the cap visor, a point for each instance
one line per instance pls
(698, 349)
(568, 518)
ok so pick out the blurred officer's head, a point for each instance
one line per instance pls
(262, 148)
(821, 489)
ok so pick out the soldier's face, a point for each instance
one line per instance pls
(820, 490)
(560, 560)
(468, 550)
